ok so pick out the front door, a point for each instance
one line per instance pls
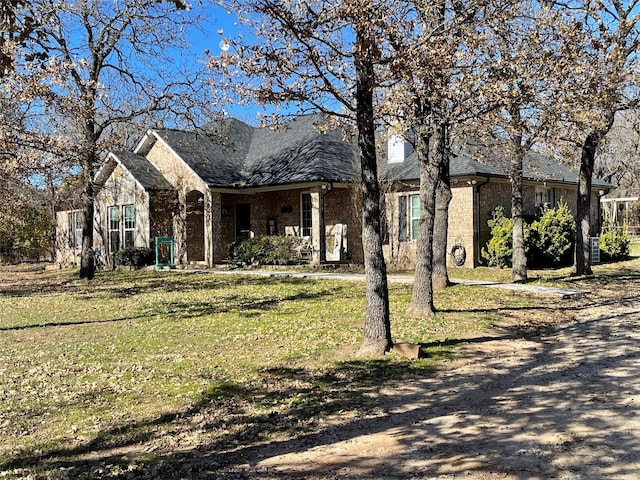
(243, 221)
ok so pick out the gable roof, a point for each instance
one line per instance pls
(230, 153)
(145, 173)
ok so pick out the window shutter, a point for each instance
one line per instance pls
(402, 218)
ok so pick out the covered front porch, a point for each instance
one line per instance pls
(322, 214)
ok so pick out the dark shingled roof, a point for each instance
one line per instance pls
(231, 153)
(143, 171)
(474, 160)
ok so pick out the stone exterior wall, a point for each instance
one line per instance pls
(119, 190)
(175, 170)
(67, 254)
(462, 230)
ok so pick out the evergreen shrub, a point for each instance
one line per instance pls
(549, 240)
(552, 236)
(500, 246)
(614, 242)
(268, 250)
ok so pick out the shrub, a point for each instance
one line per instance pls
(548, 240)
(552, 235)
(614, 242)
(500, 245)
(135, 257)
(270, 250)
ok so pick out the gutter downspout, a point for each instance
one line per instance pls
(478, 255)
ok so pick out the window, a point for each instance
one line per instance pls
(306, 220)
(543, 196)
(414, 216)
(74, 233)
(114, 229)
(129, 226)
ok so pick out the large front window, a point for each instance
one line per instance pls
(306, 221)
(122, 227)
(414, 216)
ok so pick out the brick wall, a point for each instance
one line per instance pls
(462, 211)
(285, 208)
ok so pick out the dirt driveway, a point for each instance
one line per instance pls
(562, 401)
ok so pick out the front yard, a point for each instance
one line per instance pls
(115, 377)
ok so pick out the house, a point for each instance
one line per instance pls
(229, 181)
(479, 184)
(201, 191)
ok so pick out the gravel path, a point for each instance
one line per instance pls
(564, 403)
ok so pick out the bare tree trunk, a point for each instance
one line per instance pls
(431, 112)
(441, 220)
(518, 256)
(87, 262)
(422, 296)
(582, 264)
(377, 324)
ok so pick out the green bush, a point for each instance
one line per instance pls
(270, 250)
(135, 257)
(552, 236)
(548, 240)
(500, 246)
(614, 242)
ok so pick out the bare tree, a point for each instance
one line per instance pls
(322, 56)
(115, 63)
(604, 44)
(521, 78)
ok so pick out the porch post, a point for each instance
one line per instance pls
(214, 234)
(317, 228)
(208, 229)
(180, 229)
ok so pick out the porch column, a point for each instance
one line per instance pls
(316, 227)
(180, 229)
(209, 225)
(218, 251)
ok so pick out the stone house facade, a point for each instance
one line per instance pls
(205, 190)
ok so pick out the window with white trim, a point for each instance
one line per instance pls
(306, 218)
(114, 229)
(414, 216)
(129, 225)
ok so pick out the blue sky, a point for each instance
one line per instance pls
(221, 25)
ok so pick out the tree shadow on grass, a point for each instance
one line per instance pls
(479, 422)
(285, 401)
(247, 307)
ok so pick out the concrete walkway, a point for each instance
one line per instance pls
(522, 287)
